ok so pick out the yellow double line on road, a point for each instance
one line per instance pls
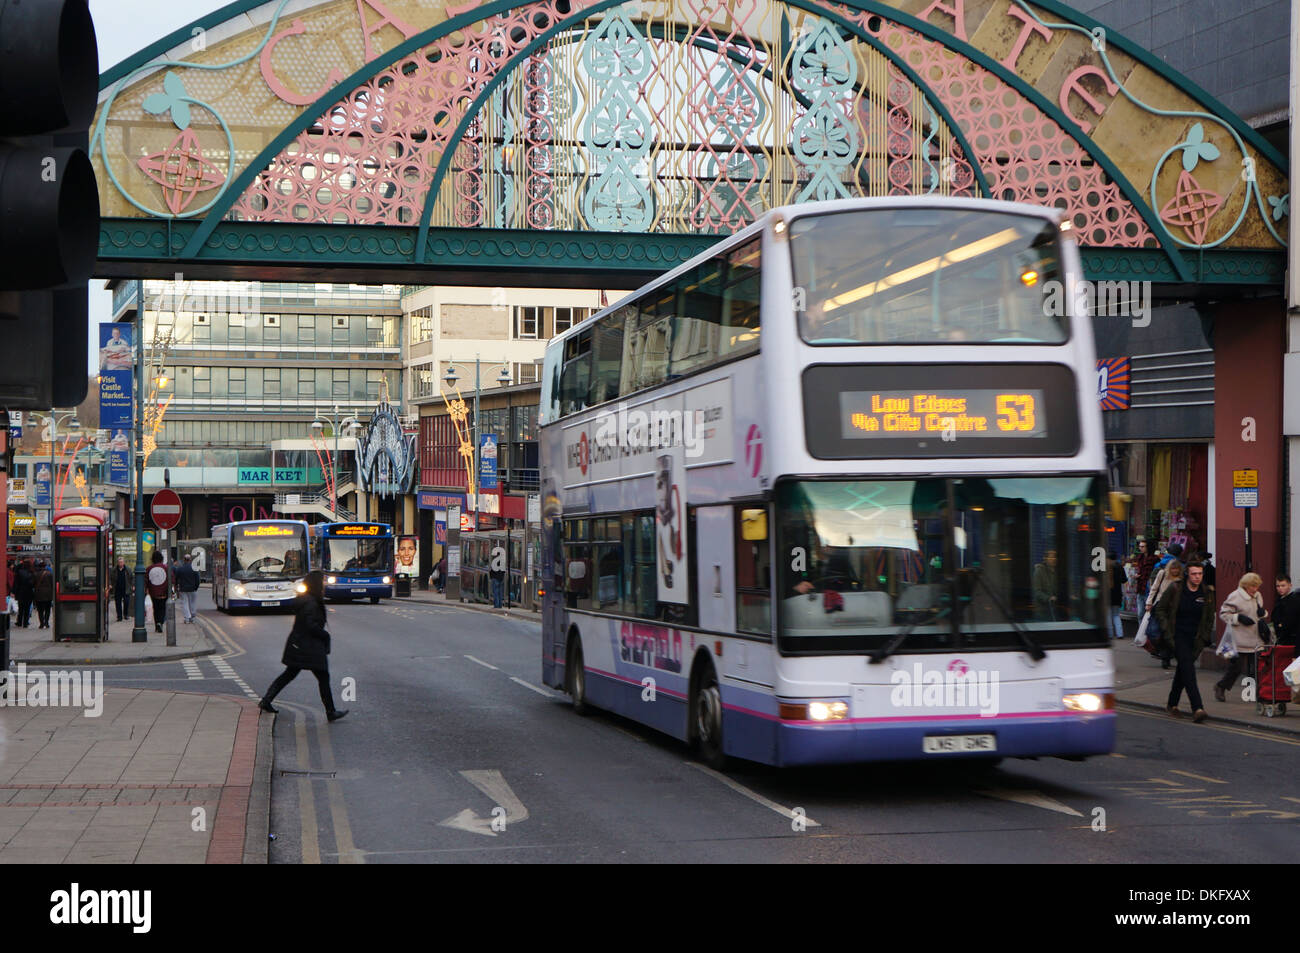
(347, 850)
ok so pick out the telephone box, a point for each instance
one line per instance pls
(82, 557)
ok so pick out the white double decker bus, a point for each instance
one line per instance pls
(833, 491)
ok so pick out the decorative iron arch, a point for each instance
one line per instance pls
(995, 113)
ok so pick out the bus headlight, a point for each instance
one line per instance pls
(1088, 701)
(241, 591)
(300, 588)
(814, 711)
(827, 711)
(332, 580)
(388, 580)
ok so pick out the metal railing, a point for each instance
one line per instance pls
(313, 502)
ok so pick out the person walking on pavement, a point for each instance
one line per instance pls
(122, 581)
(1160, 579)
(1243, 610)
(1116, 572)
(187, 587)
(498, 580)
(307, 647)
(24, 592)
(1286, 613)
(157, 583)
(1186, 610)
(43, 593)
(1145, 562)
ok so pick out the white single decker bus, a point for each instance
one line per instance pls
(259, 564)
(833, 491)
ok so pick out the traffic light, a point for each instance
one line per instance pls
(49, 205)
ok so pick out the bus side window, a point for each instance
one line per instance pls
(575, 379)
(753, 571)
(607, 358)
(741, 318)
(698, 331)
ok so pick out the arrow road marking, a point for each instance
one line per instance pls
(495, 787)
(1032, 798)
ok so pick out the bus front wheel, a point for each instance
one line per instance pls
(575, 676)
(706, 717)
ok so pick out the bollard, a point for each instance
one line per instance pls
(171, 621)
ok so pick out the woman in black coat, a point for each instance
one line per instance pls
(307, 647)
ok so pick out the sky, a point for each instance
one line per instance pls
(123, 27)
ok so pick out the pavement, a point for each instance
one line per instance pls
(37, 646)
(124, 776)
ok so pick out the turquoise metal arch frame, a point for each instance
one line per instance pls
(168, 242)
(522, 57)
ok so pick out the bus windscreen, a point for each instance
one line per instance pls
(268, 552)
(371, 555)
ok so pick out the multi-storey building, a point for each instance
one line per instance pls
(500, 334)
(251, 364)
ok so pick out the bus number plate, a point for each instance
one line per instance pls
(273, 602)
(358, 590)
(954, 744)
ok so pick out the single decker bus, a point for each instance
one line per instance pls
(357, 559)
(833, 491)
(259, 564)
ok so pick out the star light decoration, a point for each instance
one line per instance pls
(458, 410)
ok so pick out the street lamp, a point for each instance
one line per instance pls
(336, 424)
(451, 377)
(54, 422)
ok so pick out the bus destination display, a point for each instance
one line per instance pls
(951, 412)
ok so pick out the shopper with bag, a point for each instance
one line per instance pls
(1150, 629)
(1186, 613)
(1246, 631)
(308, 647)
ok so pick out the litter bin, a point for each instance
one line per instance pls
(403, 586)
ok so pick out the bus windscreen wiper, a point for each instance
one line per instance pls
(893, 644)
(1033, 648)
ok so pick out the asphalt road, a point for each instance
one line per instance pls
(450, 736)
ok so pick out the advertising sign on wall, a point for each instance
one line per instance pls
(487, 462)
(115, 364)
(408, 556)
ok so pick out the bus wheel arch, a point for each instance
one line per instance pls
(704, 711)
(575, 675)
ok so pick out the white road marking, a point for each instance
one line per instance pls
(1196, 777)
(752, 795)
(191, 667)
(1031, 798)
(225, 671)
(495, 787)
(540, 691)
(483, 663)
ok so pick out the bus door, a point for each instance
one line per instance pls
(715, 573)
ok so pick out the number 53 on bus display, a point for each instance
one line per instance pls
(1016, 412)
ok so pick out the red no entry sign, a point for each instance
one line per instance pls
(166, 509)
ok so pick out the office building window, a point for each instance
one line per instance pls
(237, 335)
(422, 381)
(340, 391)
(566, 318)
(238, 381)
(306, 382)
(422, 325)
(271, 381)
(374, 331)
(202, 381)
(527, 321)
(372, 384)
(306, 329)
(527, 373)
(339, 330)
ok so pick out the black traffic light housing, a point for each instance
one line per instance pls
(49, 204)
